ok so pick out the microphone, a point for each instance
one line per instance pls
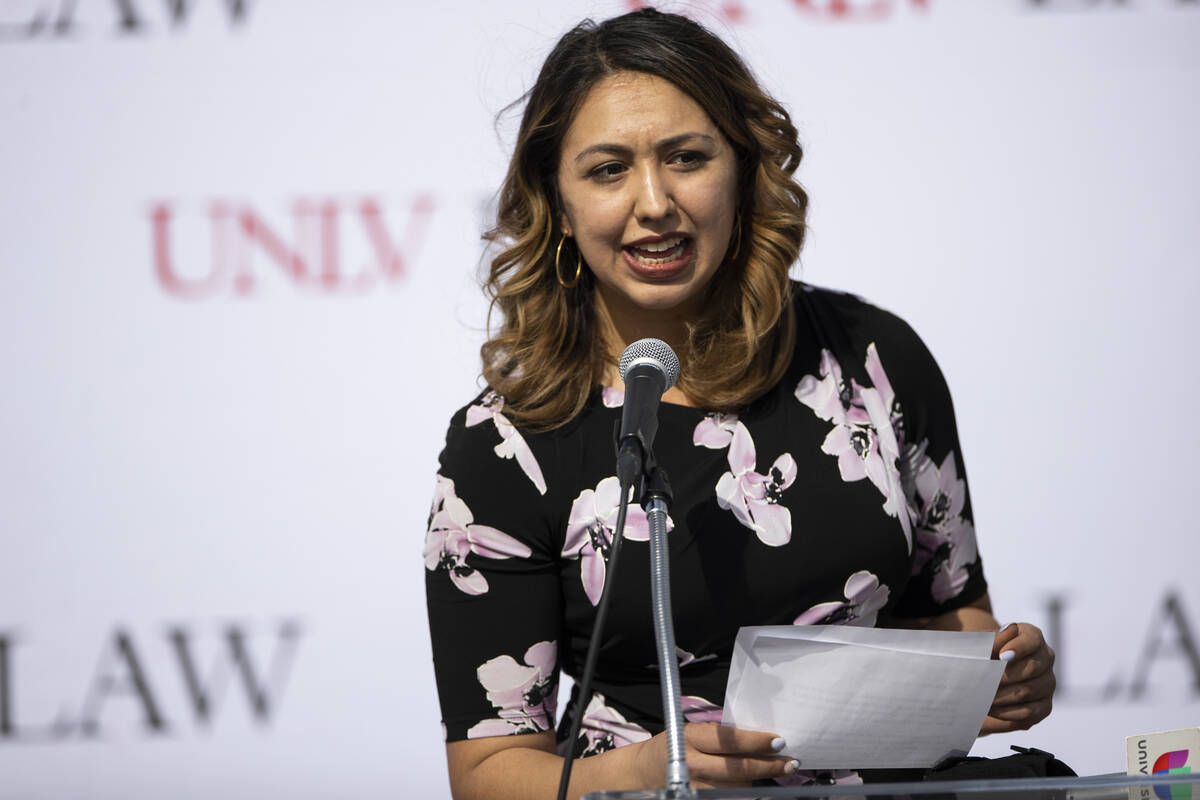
(649, 368)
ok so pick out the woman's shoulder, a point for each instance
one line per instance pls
(855, 313)
(488, 441)
(487, 452)
(856, 328)
(859, 319)
(489, 406)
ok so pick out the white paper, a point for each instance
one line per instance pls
(860, 698)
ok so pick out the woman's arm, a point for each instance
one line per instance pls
(975, 616)
(525, 767)
(1026, 691)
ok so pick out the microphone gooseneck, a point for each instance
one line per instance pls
(649, 367)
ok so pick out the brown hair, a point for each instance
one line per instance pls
(547, 356)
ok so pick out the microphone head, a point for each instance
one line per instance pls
(655, 352)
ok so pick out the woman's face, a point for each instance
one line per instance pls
(649, 190)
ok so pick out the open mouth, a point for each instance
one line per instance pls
(659, 254)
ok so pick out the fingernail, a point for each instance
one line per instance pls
(778, 744)
(1008, 655)
(791, 767)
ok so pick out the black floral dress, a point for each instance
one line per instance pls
(837, 498)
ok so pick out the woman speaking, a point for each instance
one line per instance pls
(810, 439)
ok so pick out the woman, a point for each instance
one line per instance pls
(810, 440)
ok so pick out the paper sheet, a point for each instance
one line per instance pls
(861, 698)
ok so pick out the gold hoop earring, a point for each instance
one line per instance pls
(737, 234)
(558, 270)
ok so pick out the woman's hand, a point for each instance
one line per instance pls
(717, 755)
(1027, 686)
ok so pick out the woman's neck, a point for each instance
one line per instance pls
(618, 334)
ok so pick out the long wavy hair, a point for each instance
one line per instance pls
(547, 356)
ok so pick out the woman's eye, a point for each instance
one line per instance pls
(607, 171)
(689, 158)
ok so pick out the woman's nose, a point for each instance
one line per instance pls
(654, 199)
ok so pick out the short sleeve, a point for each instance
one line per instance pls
(491, 580)
(947, 572)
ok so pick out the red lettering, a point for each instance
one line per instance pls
(254, 230)
(391, 259)
(731, 10)
(316, 257)
(164, 265)
(317, 237)
(855, 9)
(329, 244)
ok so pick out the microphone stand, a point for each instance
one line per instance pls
(656, 499)
(636, 465)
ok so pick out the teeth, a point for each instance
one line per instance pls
(660, 252)
(663, 246)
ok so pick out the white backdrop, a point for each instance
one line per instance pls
(238, 303)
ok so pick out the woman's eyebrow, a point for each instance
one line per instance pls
(664, 144)
(610, 149)
(684, 138)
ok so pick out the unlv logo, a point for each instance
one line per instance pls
(337, 247)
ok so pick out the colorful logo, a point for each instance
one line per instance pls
(1173, 762)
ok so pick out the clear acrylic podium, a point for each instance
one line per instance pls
(1116, 786)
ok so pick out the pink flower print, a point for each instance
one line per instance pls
(606, 729)
(525, 694)
(684, 658)
(831, 398)
(715, 431)
(864, 436)
(443, 487)
(612, 397)
(949, 559)
(853, 439)
(865, 596)
(940, 495)
(512, 444)
(453, 534)
(879, 408)
(590, 531)
(884, 410)
(857, 450)
(754, 497)
(751, 496)
(945, 538)
(697, 709)
(883, 385)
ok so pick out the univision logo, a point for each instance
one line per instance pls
(1173, 762)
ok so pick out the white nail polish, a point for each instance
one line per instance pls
(778, 744)
(1008, 655)
(791, 767)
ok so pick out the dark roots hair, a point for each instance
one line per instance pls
(547, 356)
